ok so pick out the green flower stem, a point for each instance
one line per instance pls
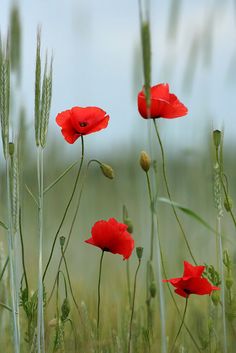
(40, 319)
(168, 192)
(181, 325)
(11, 249)
(99, 298)
(161, 293)
(133, 303)
(171, 294)
(67, 208)
(72, 226)
(128, 281)
(69, 280)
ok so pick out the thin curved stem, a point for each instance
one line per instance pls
(133, 303)
(169, 194)
(71, 228)
(67, 208)
(181, 325)
(69, 281)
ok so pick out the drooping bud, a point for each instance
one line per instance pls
(129, 223)
(145, 161)
(139, 252)
(127, 220)
(217, 138)
(107, 170)
(228, 204)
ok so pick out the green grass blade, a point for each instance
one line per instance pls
(49, 187)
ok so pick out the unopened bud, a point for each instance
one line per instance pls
(52, 323)
(129, 223)
(229, 282)
(62, 241)
(139, 252)
(65, 309)
(145, 161)
(217, 138)
(215, 297)
(153, 289)
(11, 148)
(107, 171)
(228, 203)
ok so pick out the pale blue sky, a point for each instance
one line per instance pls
(95, 47)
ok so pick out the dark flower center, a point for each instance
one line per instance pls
(187, 291)
(106, 249)
(83, 124)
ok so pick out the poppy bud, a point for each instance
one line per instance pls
(215, 297)
(107, 170)
(53, 322)
(11, 148)
(153, 289)
(229, 282)
(139, 252)
(228, 203)
(129, 223)
(217, 138)
(65, 309)
(62, 241)
(145, 161)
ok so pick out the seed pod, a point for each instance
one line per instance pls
(217, 138)
(107, 171)
(139, 252)
(145, 161)
(129, 223)
(62, 241)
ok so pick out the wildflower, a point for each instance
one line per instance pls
(192, 282)
(163, 104)
(112, 236)
(80, 121)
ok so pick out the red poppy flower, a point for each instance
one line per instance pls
(192, 281)
(163, 104)
(112, 236)
(81, 121)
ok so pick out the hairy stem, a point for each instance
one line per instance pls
(133, 303)
(169, 194)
